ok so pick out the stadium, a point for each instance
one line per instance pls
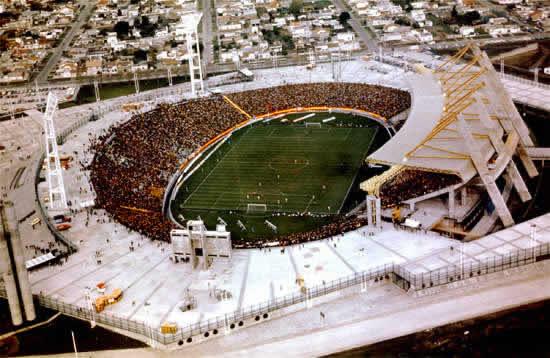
(281, 164)
(199, 126)
(376, 188)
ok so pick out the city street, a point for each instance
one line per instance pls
(83, 17)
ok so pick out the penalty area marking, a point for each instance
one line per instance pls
(213, 169)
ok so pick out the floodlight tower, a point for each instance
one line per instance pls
(191, 22)
(54, 175)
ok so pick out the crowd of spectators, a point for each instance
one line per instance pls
(134, 162)
(411, 183)
(338, 226)
(384, 101)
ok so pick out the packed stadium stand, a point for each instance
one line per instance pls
(134, 162)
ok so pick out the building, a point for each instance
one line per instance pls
(464, 127)
(199, 245)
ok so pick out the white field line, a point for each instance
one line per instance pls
(304, 117)
(355, 176)
(328, 119)
(275, 117)
(213, 169)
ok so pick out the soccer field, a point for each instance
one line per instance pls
(287, 167)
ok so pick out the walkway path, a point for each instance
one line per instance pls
(527, 92)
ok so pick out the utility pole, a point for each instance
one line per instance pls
(136, 82)
(96, 91)
(169, 70)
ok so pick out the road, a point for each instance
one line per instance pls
(355, 24)
(83, 17)
(457, 44)
(212, 68)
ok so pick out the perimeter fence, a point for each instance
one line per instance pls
(395, 273)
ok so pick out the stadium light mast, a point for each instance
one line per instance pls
(191, 22)
(54, 174)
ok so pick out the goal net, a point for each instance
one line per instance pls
(256, 208)
(313, 125)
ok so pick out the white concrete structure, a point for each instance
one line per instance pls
(463, 122)
(200, 245)
(191, 23)
(54, 174)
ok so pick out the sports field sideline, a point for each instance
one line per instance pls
(287, 167)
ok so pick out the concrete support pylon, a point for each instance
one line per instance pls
(497, 142)
(504, 98)
(485, 175)
(9, 279)
(498, 90)
(374, 216)
(517, 180)
(452, 204)
(19, 260)
(526, 160)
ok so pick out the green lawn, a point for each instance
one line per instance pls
(286, 166)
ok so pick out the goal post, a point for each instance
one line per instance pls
(313, 124)
(256, 208)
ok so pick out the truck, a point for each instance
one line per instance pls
(102, 301)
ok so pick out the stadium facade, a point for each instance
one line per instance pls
(462, 125)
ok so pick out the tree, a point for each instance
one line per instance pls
(470, 17)
(145, 21)
(454, 13)
(121, 28)
(403, 21)
(344, 17)
(147, 29)
(140, 56)
(260, 11)
(295, 7)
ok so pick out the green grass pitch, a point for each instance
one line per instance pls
(286, 166)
